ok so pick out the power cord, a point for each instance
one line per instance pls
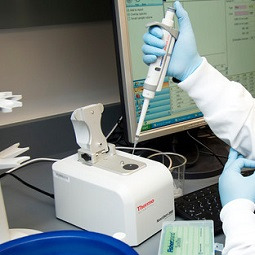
(32, 161)
(114, 127)
(116, 134)
(206, 147)
(31, 186)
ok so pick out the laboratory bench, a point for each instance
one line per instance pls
(27, 208)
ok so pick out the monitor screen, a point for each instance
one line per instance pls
(225, 33)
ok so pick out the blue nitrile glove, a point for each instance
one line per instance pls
(232, 185)
(185, 58)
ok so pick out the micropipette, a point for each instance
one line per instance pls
(157, 71)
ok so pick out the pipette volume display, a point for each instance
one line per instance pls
(157, 70)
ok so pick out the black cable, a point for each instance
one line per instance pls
(26, 183)
(2, 175)
(211, 151)
(30, 186)
(116, 135)
(113, 130)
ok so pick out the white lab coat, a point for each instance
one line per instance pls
(227, 106)
(229, 110)
(239, 227)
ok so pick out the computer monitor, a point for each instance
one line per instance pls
(225, 35)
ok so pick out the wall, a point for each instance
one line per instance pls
(57, 68)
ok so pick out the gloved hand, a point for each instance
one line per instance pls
(185, 58)
(232, 185)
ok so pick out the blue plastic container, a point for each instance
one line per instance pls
(71, 242)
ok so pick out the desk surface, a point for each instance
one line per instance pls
(27, 208)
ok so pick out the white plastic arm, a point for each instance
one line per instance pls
(9, 159)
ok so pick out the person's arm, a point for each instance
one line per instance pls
(237, 194)
(239, 227)
(228, 107)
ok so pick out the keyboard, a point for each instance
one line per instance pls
(202, 204)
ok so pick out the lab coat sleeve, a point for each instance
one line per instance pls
(239, 227)
(227, 106)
